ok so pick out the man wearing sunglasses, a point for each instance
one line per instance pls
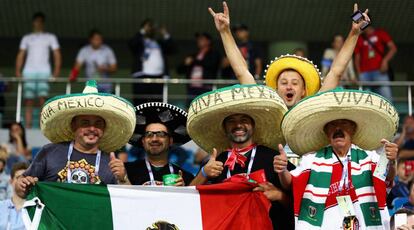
(159, 127)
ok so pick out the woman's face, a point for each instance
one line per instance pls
(16, 129)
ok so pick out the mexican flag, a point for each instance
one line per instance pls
(229, 205)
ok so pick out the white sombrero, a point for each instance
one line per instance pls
(118, 113)
(208, 111)
(375, 116)
(309, 72)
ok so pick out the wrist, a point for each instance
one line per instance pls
(203, 173)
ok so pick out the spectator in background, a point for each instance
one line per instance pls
(300, 52)
(201, 157)
(374, 49)
(330, 54)
(410, 203)
(410, 220)
(17, 147)
(251, 53)
(99, 60)
(405, 140)
(11, 209)
(149, 60)
(203, 64)
(400, 188)
(35, 47)
(5, 192)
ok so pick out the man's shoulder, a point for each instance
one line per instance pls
(53, 147)
(135, 164)
(266, 151)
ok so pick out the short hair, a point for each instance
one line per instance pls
(147, 21)
(18, 166)
(39, 15)
(94, 32)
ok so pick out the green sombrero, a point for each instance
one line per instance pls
(208, 111)
(119, 115)
(375, 116)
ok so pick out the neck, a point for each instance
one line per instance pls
(341, 151)
(17, 201)
(242, 145)
(86, 148)
(159, 161)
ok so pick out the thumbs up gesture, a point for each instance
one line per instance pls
(280, 161)
(213, 168)
(118, 169)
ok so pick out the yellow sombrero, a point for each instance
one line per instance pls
(309, 72)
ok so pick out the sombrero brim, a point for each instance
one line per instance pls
(303, 66)
(173, 117)
(205, 121)
(375, 116)
(118, 113)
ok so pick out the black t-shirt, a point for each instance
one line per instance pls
(50, 164)
(282, 217)
(138, 173)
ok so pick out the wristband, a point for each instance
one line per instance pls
(203, 172)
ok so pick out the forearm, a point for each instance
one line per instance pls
(340, 62)
(19, 61)
(285, 179)
(199, 179)
(57, 62)
(236, 59)
(390, 54)
(391, 171)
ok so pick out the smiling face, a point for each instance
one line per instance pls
(88, 129)
(340, 132)
(156, 140)
(291, 87)
(239, 128)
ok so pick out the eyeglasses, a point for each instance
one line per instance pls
(151, 134)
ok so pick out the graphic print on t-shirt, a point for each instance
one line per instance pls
(81, 173)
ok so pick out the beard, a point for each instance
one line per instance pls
(239, 139)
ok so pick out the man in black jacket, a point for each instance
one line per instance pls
(149, 60)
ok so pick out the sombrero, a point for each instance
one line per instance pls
(375, 116)
(208, 111)
(173, 117)
(118, 113)
(309, 72)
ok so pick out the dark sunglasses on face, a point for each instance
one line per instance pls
(151, 134)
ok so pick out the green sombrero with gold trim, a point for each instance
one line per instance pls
(208, 111)
(119, 115)
(374, 115)
(309, 72)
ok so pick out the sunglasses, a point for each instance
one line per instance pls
(151, 134)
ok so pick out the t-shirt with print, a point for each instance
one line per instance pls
(38, 46)
(50, 164)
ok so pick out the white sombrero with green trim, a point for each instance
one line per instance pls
(375, 116)
(208, 111)
(118, 113)
(309, 72)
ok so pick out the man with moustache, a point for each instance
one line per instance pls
(342, 185)
(82, 137)
(159, 126)
(239, 128)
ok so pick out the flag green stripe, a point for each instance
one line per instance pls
(69, 204)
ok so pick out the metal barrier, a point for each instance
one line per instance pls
(175, 81)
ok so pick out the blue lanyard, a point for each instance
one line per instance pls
(97, 163)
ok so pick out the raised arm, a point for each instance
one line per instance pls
(340, 63)
(237, 62)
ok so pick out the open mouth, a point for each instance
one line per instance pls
(338, 134)
(239, 132)
(289, 96)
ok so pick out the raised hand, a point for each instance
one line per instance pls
(213, 168)
(221, 20)
(356, 27)
(391, 149)
(117, 168)
(280, 161)
(180, 181)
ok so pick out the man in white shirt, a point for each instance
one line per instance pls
(35, 47)
(99, 60)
